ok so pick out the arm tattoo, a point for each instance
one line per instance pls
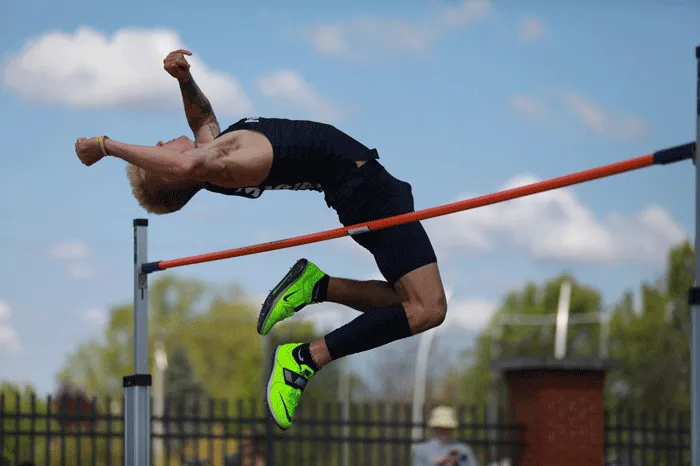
(197, 106)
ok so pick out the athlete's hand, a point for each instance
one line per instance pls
(176, 64)
(88, 151)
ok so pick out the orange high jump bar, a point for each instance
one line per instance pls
(663, 157)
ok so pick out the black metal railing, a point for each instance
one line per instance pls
(217, 433)
(638, 438)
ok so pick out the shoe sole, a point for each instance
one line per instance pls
(270, 412)
(272, 299)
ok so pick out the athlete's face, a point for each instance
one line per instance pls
(181, 144)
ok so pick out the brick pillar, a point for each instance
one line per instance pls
(560, 404)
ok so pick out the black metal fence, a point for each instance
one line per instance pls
(637, 439)
(89, 433)
(220, 433)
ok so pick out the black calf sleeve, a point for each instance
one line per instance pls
(320, 291)
(372, 329)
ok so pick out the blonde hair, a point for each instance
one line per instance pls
(157, 194)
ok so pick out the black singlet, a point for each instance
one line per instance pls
(306, 155)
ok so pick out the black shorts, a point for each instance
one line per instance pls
(368, 193)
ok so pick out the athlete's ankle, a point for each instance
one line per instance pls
(319, 352)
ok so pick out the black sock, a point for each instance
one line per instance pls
(302, 354)
(370, 330)
(320, 293)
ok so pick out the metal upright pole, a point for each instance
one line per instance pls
(695, 297)
(137, 399)
(420, 382)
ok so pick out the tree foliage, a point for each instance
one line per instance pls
(210, 340)
(650, 344)
(503, 338)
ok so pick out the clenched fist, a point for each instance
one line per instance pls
(176, 64)
(88, 150)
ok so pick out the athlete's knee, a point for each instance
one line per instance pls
(438, 310)
(428, 313)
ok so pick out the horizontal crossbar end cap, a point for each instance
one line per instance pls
(149, 267)
(675, 154)
(138, 380)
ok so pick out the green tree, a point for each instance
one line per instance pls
(652, 344)
(215, 327)
(499, 340)
(181, 383)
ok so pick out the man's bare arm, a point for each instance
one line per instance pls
(199, 112)
(161, 160)
(219, 164)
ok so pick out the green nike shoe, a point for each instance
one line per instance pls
(292, 294)
(288, 380)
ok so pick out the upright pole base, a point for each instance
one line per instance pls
(137, 430)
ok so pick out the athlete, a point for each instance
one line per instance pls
(258, 154)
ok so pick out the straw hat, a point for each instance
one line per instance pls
(443, 417)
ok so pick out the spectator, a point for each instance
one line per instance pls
(443, 449)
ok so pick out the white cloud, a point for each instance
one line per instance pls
(87, 69)
(81, 271)
(604, 122)
(471, 314)
(468, 12)
(95, 317)
(290, 87)
(370, 36)
(75, 254)
(330, 40)
(328, 316)
(555, 225)
(529, 107)
(9, 340)
(531, 28)
(69, 250)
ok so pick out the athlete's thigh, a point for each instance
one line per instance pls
(402, 249)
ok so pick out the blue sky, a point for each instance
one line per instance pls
(459, 99)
